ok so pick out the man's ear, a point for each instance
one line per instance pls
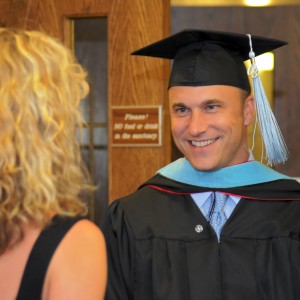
(249, 110)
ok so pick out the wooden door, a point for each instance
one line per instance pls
(131, 24)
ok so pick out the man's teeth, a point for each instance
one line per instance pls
(203, 143)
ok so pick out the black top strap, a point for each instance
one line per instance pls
(35, 271)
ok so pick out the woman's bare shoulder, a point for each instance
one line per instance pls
(78, 268)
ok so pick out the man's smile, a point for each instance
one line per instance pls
(203, 143)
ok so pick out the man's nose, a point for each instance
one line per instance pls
(198, 123)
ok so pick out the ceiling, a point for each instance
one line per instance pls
(230, 2)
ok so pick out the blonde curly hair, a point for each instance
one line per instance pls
(41, 168)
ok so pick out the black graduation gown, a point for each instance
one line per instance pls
(154, 251)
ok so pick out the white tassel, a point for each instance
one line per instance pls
(273, 142)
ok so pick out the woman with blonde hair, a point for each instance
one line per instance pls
(48, 250)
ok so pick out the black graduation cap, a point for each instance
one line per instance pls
(205, 57)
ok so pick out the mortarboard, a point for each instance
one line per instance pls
(205, 57)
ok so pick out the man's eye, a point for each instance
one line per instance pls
(180, 109)
(211, 107)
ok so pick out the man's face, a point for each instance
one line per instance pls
(209, 124)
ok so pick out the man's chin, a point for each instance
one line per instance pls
(204, 167)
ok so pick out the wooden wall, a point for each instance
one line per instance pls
(132, 80)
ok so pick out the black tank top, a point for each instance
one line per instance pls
(32, 282)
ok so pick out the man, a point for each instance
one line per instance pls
(168, 241)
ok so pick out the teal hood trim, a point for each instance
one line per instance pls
(248, 173)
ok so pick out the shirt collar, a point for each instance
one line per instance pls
(201, 198)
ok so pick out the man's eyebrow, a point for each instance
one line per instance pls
(178, 104)
(203, 103)
(212, 100)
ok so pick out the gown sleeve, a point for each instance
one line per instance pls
(120, 248)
